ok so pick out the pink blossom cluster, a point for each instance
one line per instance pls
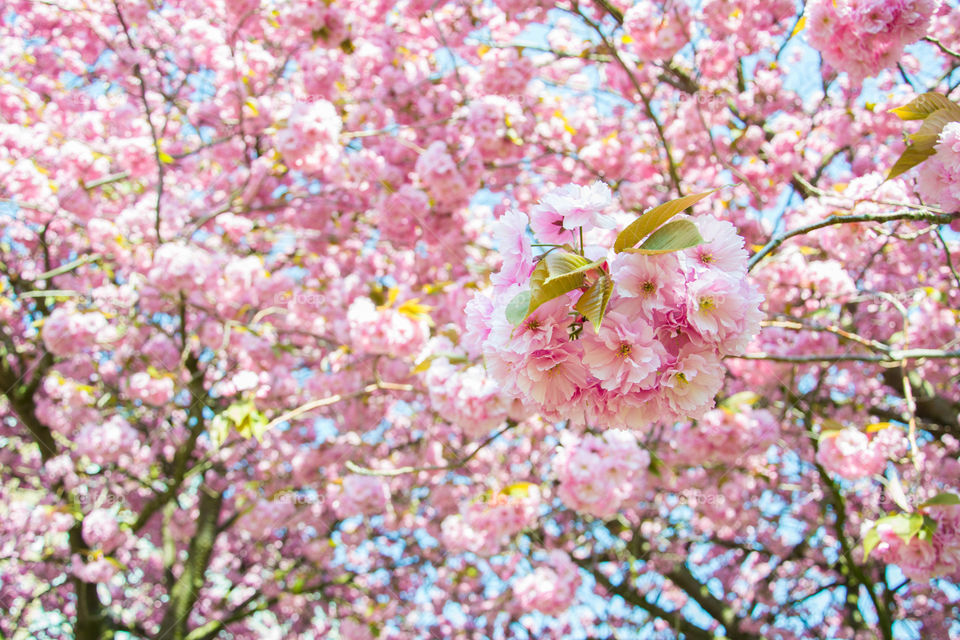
(468, 398)
(657, 30)
(442, 178)
(852, 454)
(725, 435)
(485, 525)
(670, 319)
(181, 267)
(67, 332)
(863, 37)
(113, 440)
(101, 530)
(939, 180)
(599, 473)
(152, 390)
(384, 331)
(922, 559)
(552, 587)
(362, 495)
(310, 139)
(97, 568)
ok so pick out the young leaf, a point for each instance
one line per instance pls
(910, 158)
(896, 492)
(904, 525)
(941, 499)
(564, 273)
(652, 219)
(673, 236)
(517, 308)
(923, 105)
(593, 303)
(929, 132)
(739, 400)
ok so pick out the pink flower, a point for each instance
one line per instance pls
(848, 454)
(569, 208)
(551, 588)
(96, 569)
(511, 241)
(362, 495)
(100, 530)
(690, 385)
(150, 390)
(66, 332)
(939, 175)
(598, 473)
(714, 306)
(624, 355)
(863, 37)
(552, 376)
(722, 248)
(384, 331)
(440, 176)
(653, 282)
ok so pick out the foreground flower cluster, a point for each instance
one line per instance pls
(862, 37)
(621, 336)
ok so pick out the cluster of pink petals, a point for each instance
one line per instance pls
(599, 473)
(922, 559)
(154, 391)
(67, 332)
(309, 141)
(442, 178)
(485, 526)
(112, 440)
(384, 330)
(102, 531)
(727, 436)
(670, 320)
(657, 30)
(552, 587)
(362, 495)
(863, 37)
(939, 180)
(468, 398)
(852, 454)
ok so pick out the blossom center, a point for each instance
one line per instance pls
(624, 350)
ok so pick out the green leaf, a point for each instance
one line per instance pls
(673, 236)
(518, 489)
(896, 492)
(517, 309)
(870, 541)
(242, 416)
(946, 499)
(556, 274)
(593, 303)
(559, 262)
(219, 430)
(654, 218)
(905, 525)
(929, 132)
(738, 400)
(922, 106)
(910, 158)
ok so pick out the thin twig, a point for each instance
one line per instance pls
(893, 357)
(399, 471)
(938, 218)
